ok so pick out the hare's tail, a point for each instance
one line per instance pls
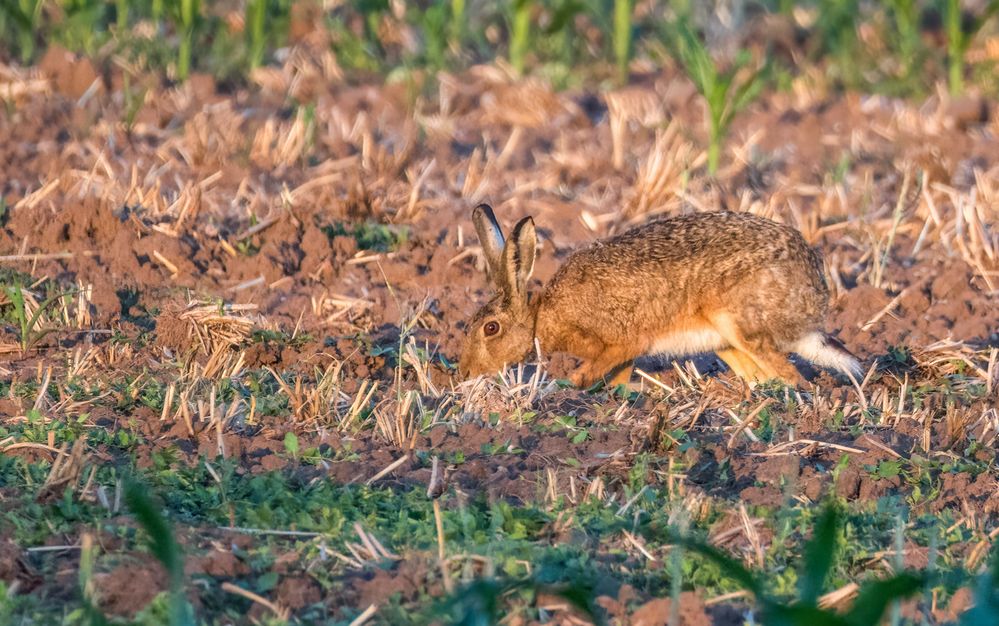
(826, 351)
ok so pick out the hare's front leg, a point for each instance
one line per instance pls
(612, 365)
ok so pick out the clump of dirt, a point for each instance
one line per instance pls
(130, 587)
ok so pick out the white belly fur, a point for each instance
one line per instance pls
(684, 342)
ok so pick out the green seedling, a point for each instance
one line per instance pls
(906, 38)
(820, 554)
(959, 37)
(457, 27)
(164, 547)
(26, 16)
(520, 33)
(30, 333)
(836, 30)
(135, 98)
(256, 34)
(88, 557)
(725, 91)
(622, 37)
(291, 444)
(186, 13)
(435, 33)
(559, 31)
(121, 14)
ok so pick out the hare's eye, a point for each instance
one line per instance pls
(491, 328)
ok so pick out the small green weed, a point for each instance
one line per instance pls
(370, 235)
(29, 325)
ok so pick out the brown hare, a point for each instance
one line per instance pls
(747, 288)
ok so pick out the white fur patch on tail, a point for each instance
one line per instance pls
(823, 351)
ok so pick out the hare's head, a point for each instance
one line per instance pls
(502, 331)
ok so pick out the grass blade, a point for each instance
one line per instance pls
(820, 554)
(164, 547)
(875, 597)
(733, 568)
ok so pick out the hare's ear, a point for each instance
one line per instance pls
(491, 238)
(518, 259)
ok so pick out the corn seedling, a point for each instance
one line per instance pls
(520, 33)
(435, 23)
(873, 598)
(907, 42)
(256, 19)
(457, 25)
(26, 15)
(622, 37)
(164, 547)
(121, 14)
(88, 557)
(559, 29)
(959, 37)
(186, 16)
(28, 322)
(836, 27)
(726, 91)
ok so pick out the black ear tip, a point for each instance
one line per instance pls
(483, 208)
(525, 221)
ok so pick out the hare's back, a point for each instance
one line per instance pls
(703, 240)
(687, 257)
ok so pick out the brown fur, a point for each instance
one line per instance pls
(744, 286)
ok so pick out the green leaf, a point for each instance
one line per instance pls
(888, 469)
(731, 567)
(875, 597)
(986, 609)
(820, 553)
(164, 547)
(799, 615)
(291, 443)
(266, 582)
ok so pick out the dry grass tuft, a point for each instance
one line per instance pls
(215, 327)
(512, 392)
(322, 402)
(632, 106)
(662, 175)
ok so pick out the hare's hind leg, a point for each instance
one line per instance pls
(741, 364)
(755, 351)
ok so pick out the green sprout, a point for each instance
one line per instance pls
(622, 37)
(726, 91)
(26, 16)
(186, 16)
(959, 37)
(29, 325)
(256, 19)
(520, 33)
